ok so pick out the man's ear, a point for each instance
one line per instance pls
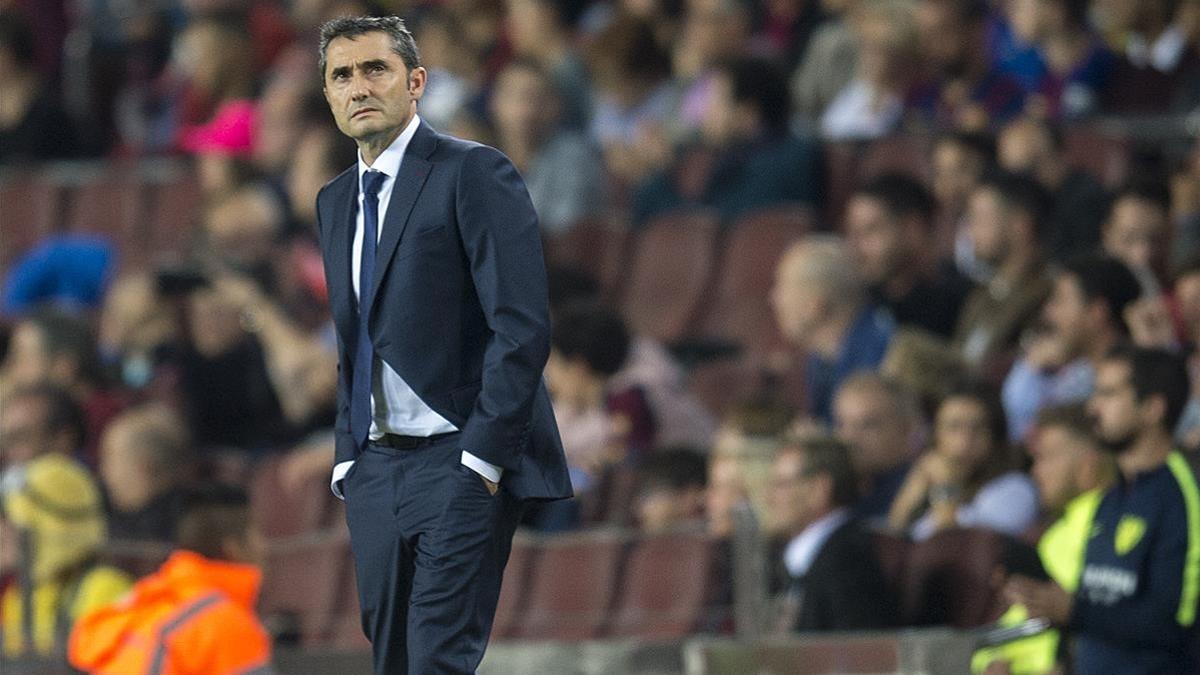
(1154, 409)
(416, 82)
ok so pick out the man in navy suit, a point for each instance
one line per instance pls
(438, 289)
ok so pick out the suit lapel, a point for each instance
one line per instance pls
(341, 243)
(413, 172)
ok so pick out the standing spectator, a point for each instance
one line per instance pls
(144, 461)
(53, 534)
(34, 127)
(889, 227)
(1078, 202)
(1138, 231)
(823, 308)
(671, 488)
(1135, 608)
(968, 478)
(1085, 319)
(881, 423)
(196, 614)
(965, 89)
(1006, 222)
(563, 171)
(749, 160)
(834, 580)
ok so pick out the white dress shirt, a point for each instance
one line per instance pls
(395, 407)
(801, 551)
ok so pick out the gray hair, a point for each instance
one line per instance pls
(350, 27)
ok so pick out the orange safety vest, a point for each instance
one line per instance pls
(194, 616)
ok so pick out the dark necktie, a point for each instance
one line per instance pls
(364, 353)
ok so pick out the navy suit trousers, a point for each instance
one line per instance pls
(430, 544)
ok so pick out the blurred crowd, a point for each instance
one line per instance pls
(941, 333)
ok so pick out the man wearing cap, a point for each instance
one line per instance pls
(438, 290)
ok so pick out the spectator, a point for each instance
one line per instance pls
(1085, 319)
(317, 158)
(1072, 474)
(1185, 207)
(889, 227)
(140, 334)
(53, 535)
(224, 149)
(750, 434)
(960, 161)
(1067, 65)
(455, 70)
(144, 462)
(712, 33)
(39, 419)
(1157, 58)
(830, 60)
(540, 31)
(968, 478)
(1135, 607)
(56, 346)
(562, 170)
(833, 575)
(1006, 223)
(1138, 230)
(726, 490)
(871, 105)
(823, 308)
(881, 424)
(965, 89)
(196, 614)
(671, 486)
(748, 160)
(1077, 200)
(34, 127)
(1187, 299)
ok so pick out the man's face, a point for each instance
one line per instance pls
(942, 37)
(1022, 145)
(1066, 313)
(792, 502)
(28, 362)
(866, 420)
(961, 432)
(368, 87)
(988, 225)
(874, 238)
(1114, 406)
(795, 298)
(956, 170)
(1135, 234)
(1058, 458)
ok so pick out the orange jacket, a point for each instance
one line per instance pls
(194, 616)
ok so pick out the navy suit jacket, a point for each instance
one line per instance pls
(459, 305)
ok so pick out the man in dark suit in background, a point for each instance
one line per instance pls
(833, 576)
(438, 291)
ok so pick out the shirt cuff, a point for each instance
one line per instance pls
(485, 469)
(339, 472)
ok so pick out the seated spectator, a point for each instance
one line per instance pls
(823, 308)
(1078, 202)
(1006, 221)
(960, 161)
(1185, 207)
(600, 426)
(1137, 231)
(1187, 300)
(725, 492)
(1158, 57)
(670, 490)
(1135, 607)
(889, 227)
(834, 580)
(540, 31)
(965, 89)
(881, 424)
(1085, 319)
(1072, 473)
(144, 461)
(140, 334)
(968, 478)
(39, 419)
(872, 104)
(1064, 66)
(34, 126)
(740, 467)
(828, 58)
(455, 69)
(196, 614)
(563, 172)
(51, 537)
(56, 346)
(748, 159)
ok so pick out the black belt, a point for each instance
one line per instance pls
(398, 442)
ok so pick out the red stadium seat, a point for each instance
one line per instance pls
(110, 204)
(175, 211)
(303, 579)
(949, 580)
(1103, 155)
(517, 573)
(594, 247)
(571, 590)
(907, 154)
(279, 511)
(740, 310)
(720, 384)
(29, 210)
(669, 273)
(665, 587)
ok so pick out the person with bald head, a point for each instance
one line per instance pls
(144, 460)
(822, 307)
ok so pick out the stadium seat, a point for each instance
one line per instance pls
(175, 210)
(29, 210)
(720, 384)
(665, 587)
(279, 511)
(669, 273)
(521, 564)
(739, 309)
(303, 579)
(594, 247)
(1105, 156)
(907, 154)
(571, 592)
(949, 580)
(110, 204)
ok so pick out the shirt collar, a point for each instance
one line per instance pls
(803, 549)
(389, 160)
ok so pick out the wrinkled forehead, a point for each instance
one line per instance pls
(347, 51)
